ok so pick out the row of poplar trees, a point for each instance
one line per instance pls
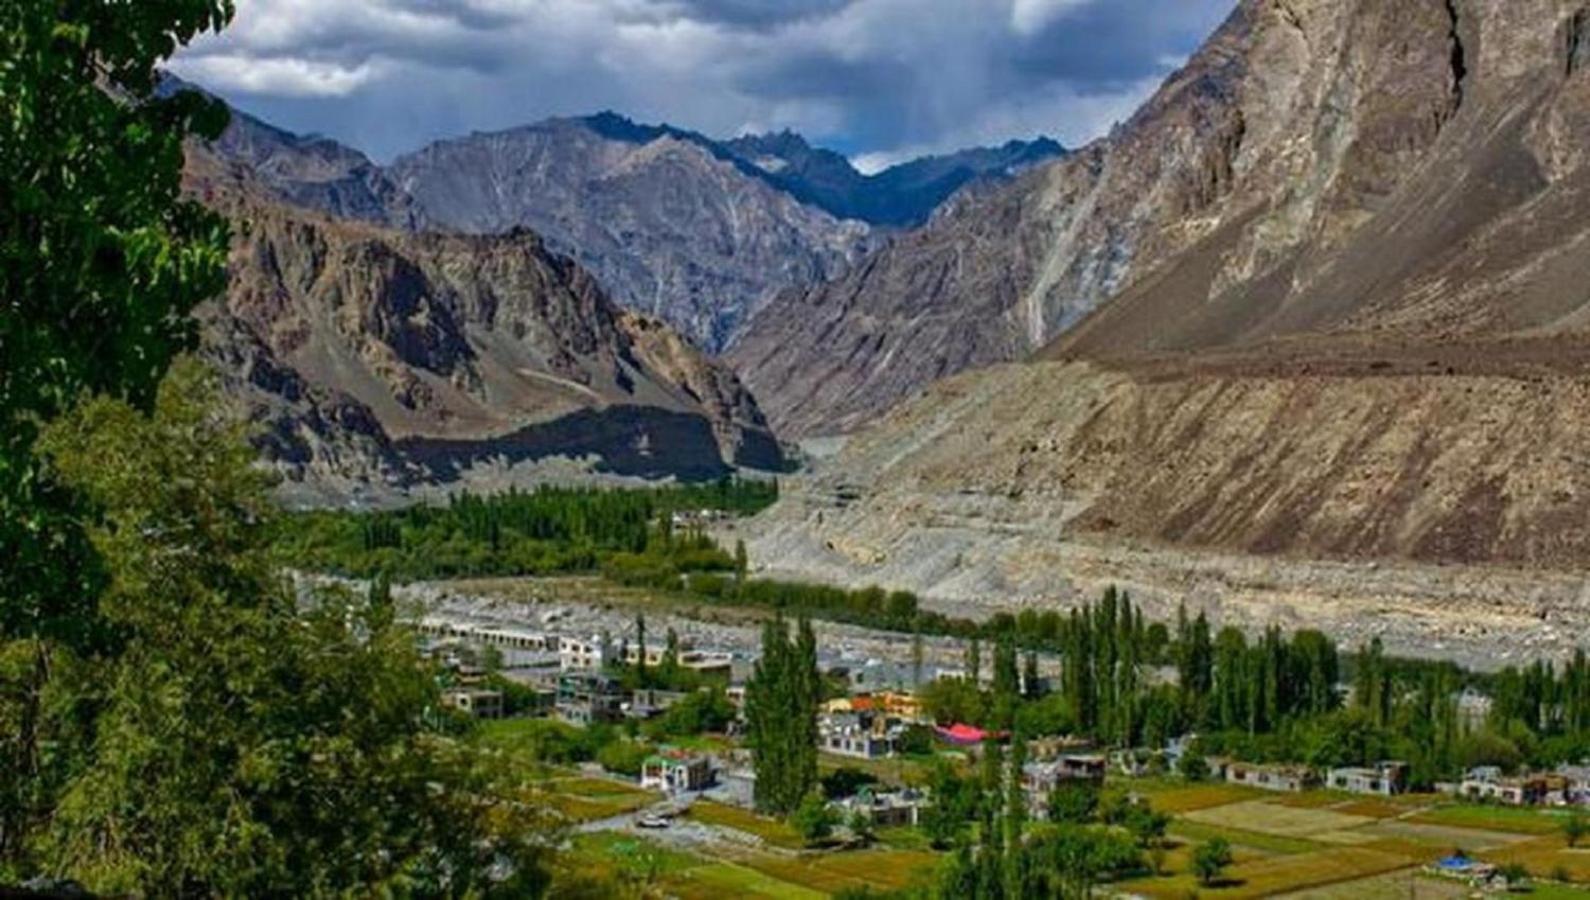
(781, 716)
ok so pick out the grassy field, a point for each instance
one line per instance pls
(770, 830)
(1401, 885)
(590, 799)
(716, 881)
(1178, 798)
(1546, 857)
(903, 771)
(1268, 844)
(1273, 818)
(1373, 808)
(1493, 818)
(883, 870)
(1272, 875)
(644, 864)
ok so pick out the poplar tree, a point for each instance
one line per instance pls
(781, 717)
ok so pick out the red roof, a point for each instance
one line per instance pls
(960, 733)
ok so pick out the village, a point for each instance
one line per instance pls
(878, 743)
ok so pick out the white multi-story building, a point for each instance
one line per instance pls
(583, 655)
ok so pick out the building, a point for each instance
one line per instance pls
(885, 809)
(1290, 779)
(583, 655)
(675, 771)
(1047, 749)
(1385, 779)
(708, 663)
(645, 703)
(1576, 784)
(476, 702)
(963, 735)
(1040, 779)
(862, 735)
(893, 704)
(586, 698)
(1488, 784)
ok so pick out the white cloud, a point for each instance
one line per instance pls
(1032, 16)
(282, 77)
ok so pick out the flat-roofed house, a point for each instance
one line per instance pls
(673, 771)
(1288, 779)
(476, 702)
(1384, 779)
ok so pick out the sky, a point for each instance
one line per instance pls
(879, 80)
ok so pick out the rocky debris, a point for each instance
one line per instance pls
(1444, 513)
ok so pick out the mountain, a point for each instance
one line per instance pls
(697, 232)
(901, 196)
(1322, 301)
(310, 171)
(1317, 166)
(380, 361)
(669, 222)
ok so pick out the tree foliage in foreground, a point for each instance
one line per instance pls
(247, 738)
(101, 263)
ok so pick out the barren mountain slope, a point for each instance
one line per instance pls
(1447, 513)
(1348, 386)
(419, 357)
(670, 224)
(1318, 165)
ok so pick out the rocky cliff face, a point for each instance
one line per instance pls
(310, 171)
(1322, 301)
(398, 358)
(1317, 166)
(671, 224)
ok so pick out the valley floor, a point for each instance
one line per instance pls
(974, 554)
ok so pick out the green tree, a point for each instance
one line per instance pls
(247, 740)
(953, 804)
(742, 563)
(814, 819)
(1146, 824)
(860, 825)
(101, 263)
(1575, 827)
(1192, 766)
(1211, 859)
(781, 717)
(1074, 802)
(642, 678)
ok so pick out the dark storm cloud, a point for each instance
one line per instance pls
(1116, 42)
(755, 13)
(879, 79)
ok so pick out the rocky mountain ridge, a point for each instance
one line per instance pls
(1317, 314)
(1307, 159)
(380, 361)
(698, 232)
(668, 223)
(904, 195)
